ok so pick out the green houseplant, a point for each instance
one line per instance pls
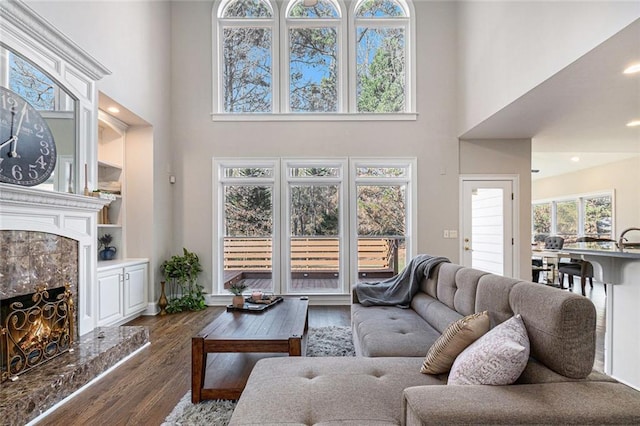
(182, 272)
(236, 289)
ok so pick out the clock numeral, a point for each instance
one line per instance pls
(8, 101)
(16, 172)
(39, 130)
(1, 160)
(45, 148)
(33, 173)
(40, 160)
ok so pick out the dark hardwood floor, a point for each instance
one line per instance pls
(144, 390)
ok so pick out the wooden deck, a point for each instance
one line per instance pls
(315, 262)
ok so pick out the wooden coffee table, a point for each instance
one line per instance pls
(238, 340)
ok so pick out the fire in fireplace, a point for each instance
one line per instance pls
(34, 329)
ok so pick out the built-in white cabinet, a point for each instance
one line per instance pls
(122, 290)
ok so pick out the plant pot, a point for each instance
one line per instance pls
(108, 253)
(237, 301)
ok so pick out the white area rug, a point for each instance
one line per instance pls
(323, 341)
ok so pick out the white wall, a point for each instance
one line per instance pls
(432, 138)
(132, 39)
(509, 47)
(507, 157)
(622, 176)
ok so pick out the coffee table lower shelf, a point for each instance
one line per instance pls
(227, 374)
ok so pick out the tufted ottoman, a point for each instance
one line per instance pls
(330, 390)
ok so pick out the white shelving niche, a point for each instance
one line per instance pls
(111, 180)
(122, 282)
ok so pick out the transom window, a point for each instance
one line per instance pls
(291, 57)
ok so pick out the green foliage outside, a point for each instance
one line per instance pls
(182, 273)
(382, 84)
(247, 60)
(314, 208)
(597, 218)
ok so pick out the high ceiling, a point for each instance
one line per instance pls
(581, 111)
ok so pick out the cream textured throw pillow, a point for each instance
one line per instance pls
(497, 358)
(454, 340)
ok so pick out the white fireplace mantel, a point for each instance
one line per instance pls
(69, 215)
(74, 216)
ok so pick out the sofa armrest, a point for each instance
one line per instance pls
(354, 296)
(586, 402)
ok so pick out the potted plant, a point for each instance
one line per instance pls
(236, 289)
(182, 272)
(107, 251)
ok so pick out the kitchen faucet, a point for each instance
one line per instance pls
(620, 244)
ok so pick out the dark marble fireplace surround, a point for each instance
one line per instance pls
(31, 258)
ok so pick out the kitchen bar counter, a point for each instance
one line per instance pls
(620, 270)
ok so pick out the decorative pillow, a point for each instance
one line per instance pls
(454, 340)
(497, 358)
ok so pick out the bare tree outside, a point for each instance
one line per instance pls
(248, 60)
(31, 83)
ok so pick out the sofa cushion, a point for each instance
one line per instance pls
(457, 287)
(436, 313)
(328, 390)
(497, 358)
(387, 331)
(454, 340)
(582, 403)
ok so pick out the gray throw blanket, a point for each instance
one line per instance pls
(400, 289)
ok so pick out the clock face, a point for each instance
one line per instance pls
(27, 148)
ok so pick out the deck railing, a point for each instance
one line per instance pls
(311, 254)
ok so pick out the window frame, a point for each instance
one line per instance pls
(579, 199)
(341, 53)
(342, 181)
(346, 63)
(219, 182)
(408, 23)
(218, 47)
(281, 181)
(411, 203)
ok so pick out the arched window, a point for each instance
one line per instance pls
(246, 36)
(381, 55)
(299, 60)
(312, 47)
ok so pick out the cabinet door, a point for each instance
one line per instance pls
(110, 307)
(135, 288)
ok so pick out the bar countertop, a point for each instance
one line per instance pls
(602, 249)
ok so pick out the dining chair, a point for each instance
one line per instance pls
(537, 265)
(581, 268)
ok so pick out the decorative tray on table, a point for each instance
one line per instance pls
(256, 305)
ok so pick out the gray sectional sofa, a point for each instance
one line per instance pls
(383, 384)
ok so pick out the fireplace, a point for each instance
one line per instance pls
(37, 313)
(47, 240)
(34, 329)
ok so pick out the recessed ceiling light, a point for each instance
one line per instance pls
(632, 69)
(575, 159)
(113, 110)
(633, 123)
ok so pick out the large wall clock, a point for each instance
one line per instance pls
(27, 148)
